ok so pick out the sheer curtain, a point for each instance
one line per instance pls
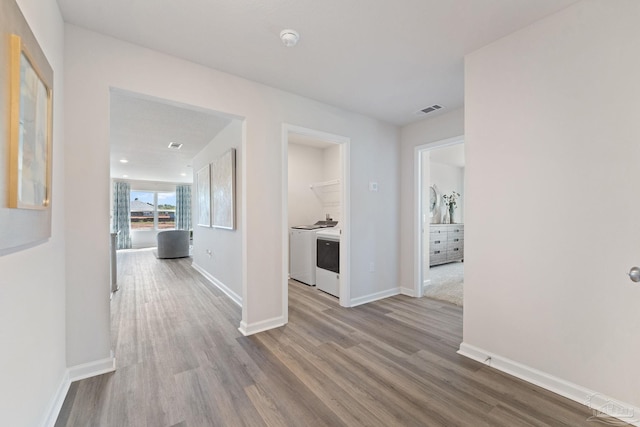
(122, 213)
(183, 207)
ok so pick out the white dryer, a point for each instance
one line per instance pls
(328, 261)
(302, 251)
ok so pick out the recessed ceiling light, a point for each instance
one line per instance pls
(289, 37)
(175, 145)
(183, 174)
(124, 161)
(125, 176)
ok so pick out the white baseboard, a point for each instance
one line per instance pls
(253, 328)
(58, 400)
(92, 369)
(218, 284)
(603, 406)
(374, 297)
(410, 292)
(75, 373)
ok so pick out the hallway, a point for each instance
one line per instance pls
(182, 362)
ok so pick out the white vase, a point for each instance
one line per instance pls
(445, 218)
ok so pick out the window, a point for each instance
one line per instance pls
(151, 210)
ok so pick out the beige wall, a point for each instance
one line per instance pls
(32, 280)
(95, 63)
(552, 146)
(449, 125)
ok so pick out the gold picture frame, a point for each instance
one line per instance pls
(30, 128)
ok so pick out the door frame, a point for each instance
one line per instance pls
(419, 274)
(345, 238)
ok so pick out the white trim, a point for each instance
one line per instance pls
(92, 369)
(594, 400)
(218, 284)
(284, 192)
(375, 296)
(250, 329)
(58, 400)
(410, 292)
(243, 222)
(425, 283)
(417, 203)
(75, 373)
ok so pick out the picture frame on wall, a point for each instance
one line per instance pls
(203, 188)
(30, 127)
(27, 139)
(223, 186)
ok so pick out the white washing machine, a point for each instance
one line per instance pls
(302, 251)
(328, 261)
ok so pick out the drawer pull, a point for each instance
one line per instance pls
(436, 252)
(456, 249)
(456, 240)
(438, 241)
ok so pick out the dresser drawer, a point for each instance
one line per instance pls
(455, 231)
(437, 231)
(437, 256)
(455, 240)
(438, 239)
(455, 253)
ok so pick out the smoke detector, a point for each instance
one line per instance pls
(289, 37)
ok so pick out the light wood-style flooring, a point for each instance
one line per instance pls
(182, 362)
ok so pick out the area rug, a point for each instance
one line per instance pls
(446, 283)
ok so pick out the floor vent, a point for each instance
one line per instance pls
(434, 107)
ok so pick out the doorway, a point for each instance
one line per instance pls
(439, 246)
(321, 190)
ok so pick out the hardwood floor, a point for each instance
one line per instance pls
(182, 362)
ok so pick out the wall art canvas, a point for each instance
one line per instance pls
(223, 185)
(26, 134)
(30, 132)
(203, 186)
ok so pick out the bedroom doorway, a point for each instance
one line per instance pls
(440, 206)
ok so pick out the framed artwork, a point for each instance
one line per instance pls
(26, 134)
(30, 123)
(223, 185)
(203, 186)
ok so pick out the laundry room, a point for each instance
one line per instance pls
(314, 206)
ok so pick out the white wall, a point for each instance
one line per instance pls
(306, 166)
(309, 165)
(95, 63)
(442, 127)
(552, 147)
(216, 251)
(448, 179)
(32, 283)
(332, 194)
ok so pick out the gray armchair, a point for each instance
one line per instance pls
(173, 244)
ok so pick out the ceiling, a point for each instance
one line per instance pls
(385, 59)
(141, 129)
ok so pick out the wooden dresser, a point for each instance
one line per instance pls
(446, 243)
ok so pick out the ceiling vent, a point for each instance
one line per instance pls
(175, 145)
(434, 107)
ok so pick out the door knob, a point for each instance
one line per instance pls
(634, 274)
